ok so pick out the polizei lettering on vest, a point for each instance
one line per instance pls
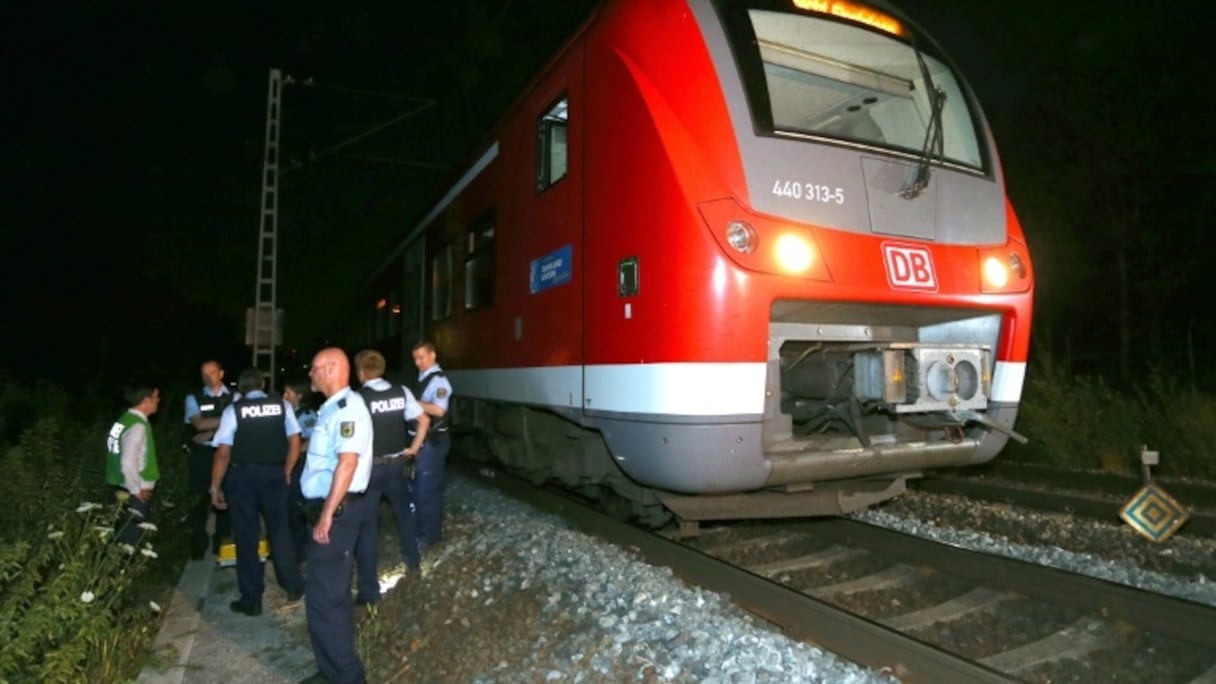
(261, 411)
(384, 405)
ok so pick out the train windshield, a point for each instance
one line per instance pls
(814, 74)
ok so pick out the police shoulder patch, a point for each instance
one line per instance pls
(347, 429)
(441, 392)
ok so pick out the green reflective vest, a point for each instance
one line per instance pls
(151, 472)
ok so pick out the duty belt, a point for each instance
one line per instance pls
(312, 507)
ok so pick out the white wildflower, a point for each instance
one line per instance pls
(150, 527)
(127, 549)
(136, 512)
(104, 532)
(148, 552)
(57, 534)
(154, 606)
(87, 597)
(86, 506)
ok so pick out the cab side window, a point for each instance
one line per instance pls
(552, 155)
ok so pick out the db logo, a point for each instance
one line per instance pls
(909, 267)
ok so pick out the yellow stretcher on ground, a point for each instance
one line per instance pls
(227, 555)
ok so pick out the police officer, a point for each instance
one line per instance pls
(298, 394)
(131, 466)
(390, 406)
(335, 477)
(257, 443)
(204, 407)
(434, 393)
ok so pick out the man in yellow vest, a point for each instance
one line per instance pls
(131, 460)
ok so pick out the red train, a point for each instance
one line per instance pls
(727, 259)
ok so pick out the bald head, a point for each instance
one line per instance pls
(330, 371)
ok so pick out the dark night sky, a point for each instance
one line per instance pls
(136, 139)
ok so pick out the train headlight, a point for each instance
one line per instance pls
(741, 236)
(1004, 270)
(996, 275)
(794, 253)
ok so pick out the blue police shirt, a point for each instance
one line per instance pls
(192, 409)
(439, 391)
(344, 425)
(225, 433)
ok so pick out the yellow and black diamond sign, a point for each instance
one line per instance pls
(1154, 513)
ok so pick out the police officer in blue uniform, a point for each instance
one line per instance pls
(434, 394)
(390, 406)
(257, 443)
(299, 395)
(335, 477)
(204, 407)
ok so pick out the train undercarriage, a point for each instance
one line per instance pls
(853, 411)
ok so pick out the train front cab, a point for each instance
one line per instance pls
(822, 391)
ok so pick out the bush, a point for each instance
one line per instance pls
(75, 605)
(1082, 422)
(1180, 423)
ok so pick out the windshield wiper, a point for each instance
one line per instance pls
(933, 134)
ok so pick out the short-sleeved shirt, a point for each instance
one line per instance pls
(226, 432)
(344, 425)
(192, 408)
(438, 391)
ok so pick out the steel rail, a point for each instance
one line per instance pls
(1187, 621)
(851, 637)
(1200, 522)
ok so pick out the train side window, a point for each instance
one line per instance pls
(479, 264)
(441, 284)
(552, 154)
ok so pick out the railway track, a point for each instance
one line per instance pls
(1026, 621)
(1093, 496)
(923, 611)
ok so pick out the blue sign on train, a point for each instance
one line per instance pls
(553, 269)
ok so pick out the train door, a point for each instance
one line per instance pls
(549, 328)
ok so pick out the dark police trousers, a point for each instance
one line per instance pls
(297, 523)
(201, 458)
(252, 490)
(427, 487)
(387, 481)
(329, 605)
